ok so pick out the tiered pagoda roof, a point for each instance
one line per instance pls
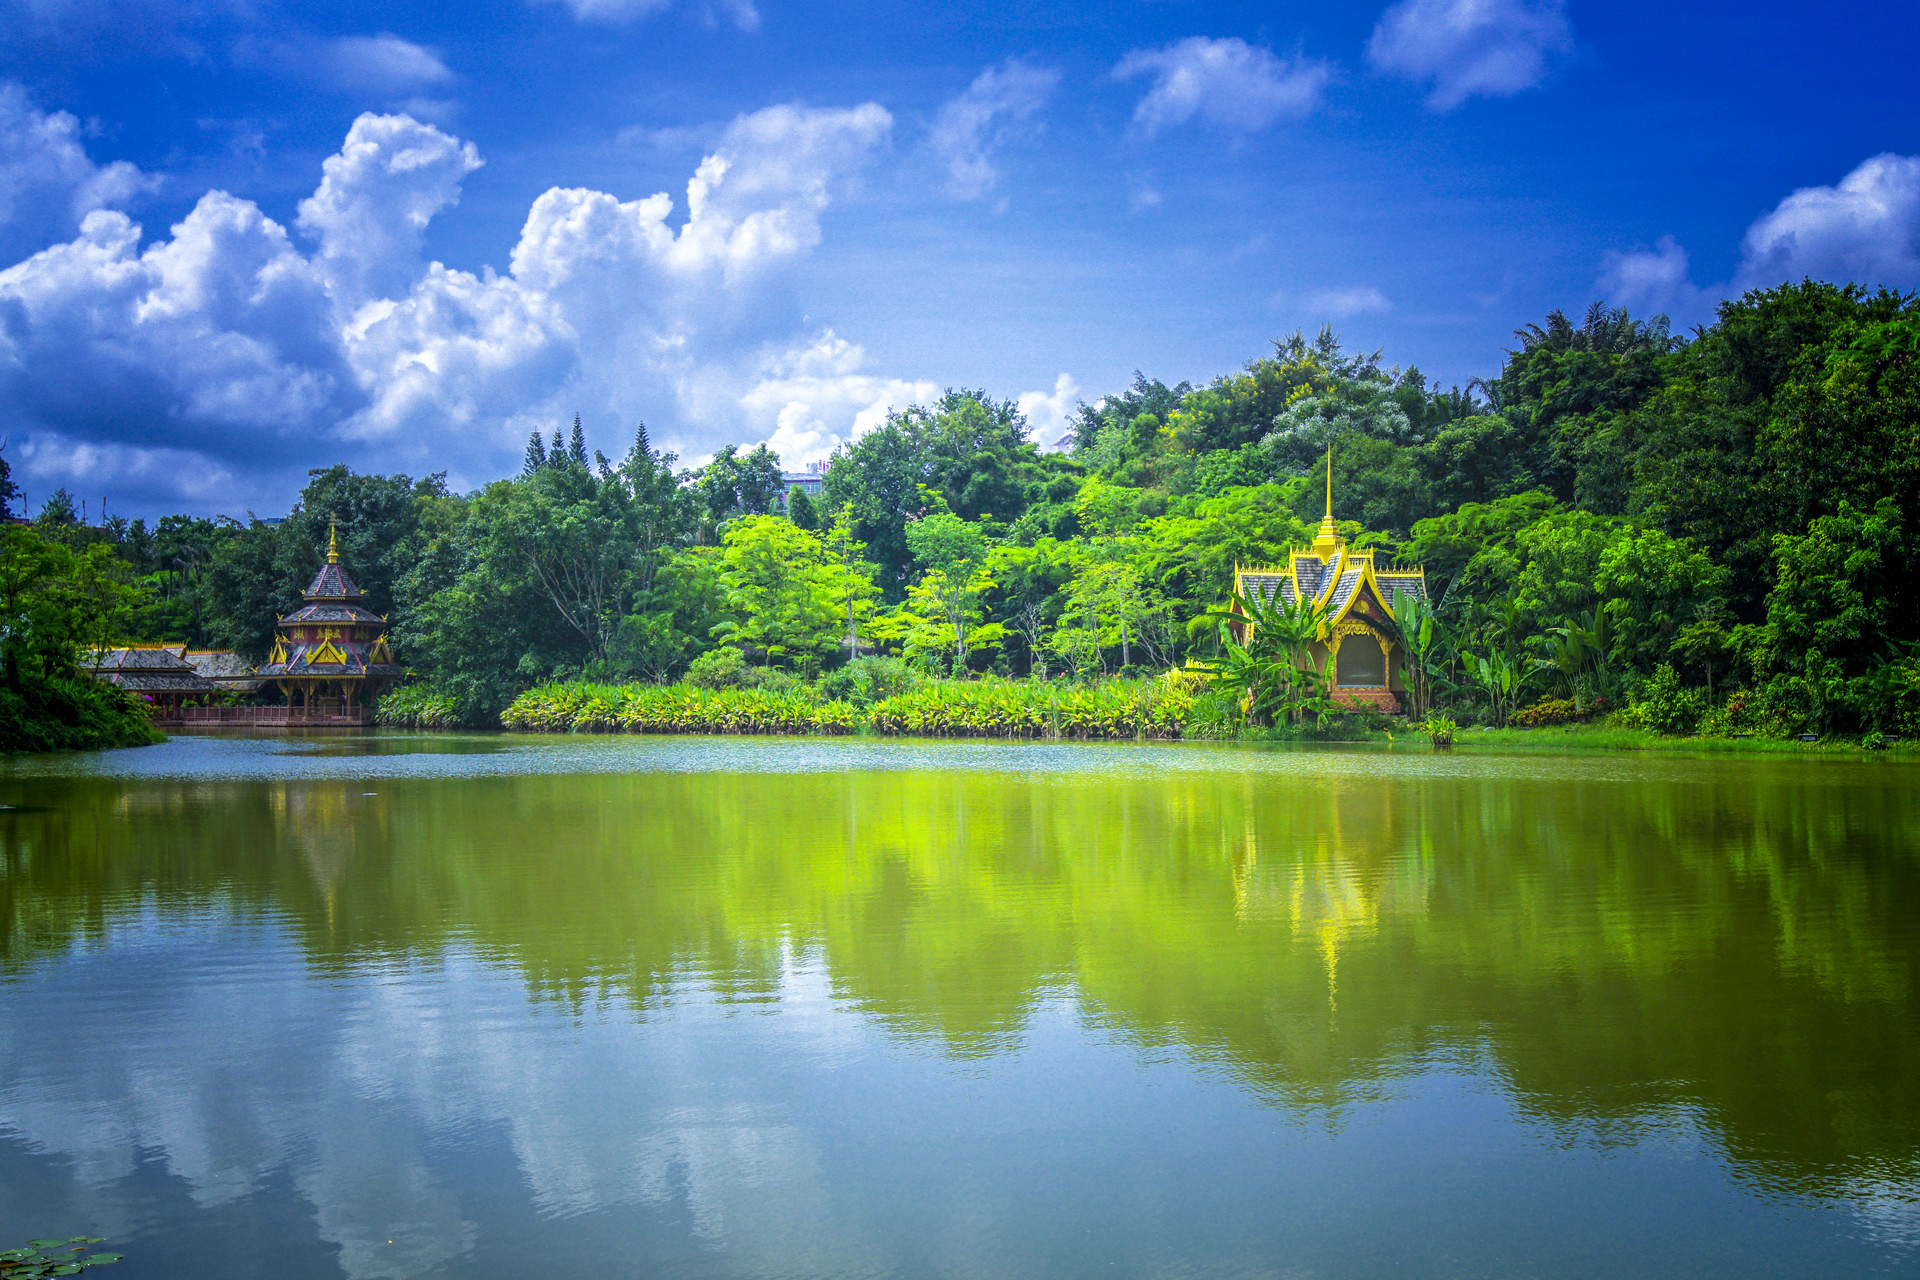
(332, 635)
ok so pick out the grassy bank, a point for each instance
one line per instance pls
(74, 713)
(1600, 737)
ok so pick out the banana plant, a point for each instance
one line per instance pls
(1271, 668)
(1424, 640)
(1502, 678)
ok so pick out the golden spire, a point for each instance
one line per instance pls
(333, 538)
(1328, 539)
(1329, 480)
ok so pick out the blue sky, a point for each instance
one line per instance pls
(240, 238)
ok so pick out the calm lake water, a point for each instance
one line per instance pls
(413, 1005)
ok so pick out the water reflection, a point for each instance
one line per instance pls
(329, 979)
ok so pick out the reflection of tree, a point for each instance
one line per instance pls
(1723, 938)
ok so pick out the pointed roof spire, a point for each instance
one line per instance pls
(332, 582)
(333, 532)
(1328, 538)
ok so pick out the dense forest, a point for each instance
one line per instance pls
(1712, 529)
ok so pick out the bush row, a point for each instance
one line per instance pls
(944, 709)
(418, 706)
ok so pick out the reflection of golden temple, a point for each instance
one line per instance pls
(1355, 593)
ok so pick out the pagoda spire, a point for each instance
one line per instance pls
(1328, 538)
(333, 535)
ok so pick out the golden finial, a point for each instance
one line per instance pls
(1329, 479)
(333, 540)
(1329, 536)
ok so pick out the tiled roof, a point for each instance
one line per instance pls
(300, 660)
(331, 613)
(155, 658)
(1309, 570)
(1265, 584)
(184, 681)
(1343, 591)
(332, 583)
(1414, 584)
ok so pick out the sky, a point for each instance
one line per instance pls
(244, 238)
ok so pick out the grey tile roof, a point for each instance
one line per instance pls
(142, 659)
(1344, 589)
(1413, 584)
(186, 681)
(332, 583)
(330, 612)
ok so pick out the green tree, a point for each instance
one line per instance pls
(734, 483)
(8, 490)
(855, 580)
(786, 591)
(1844, 589)
(801, 510)
(956, 550)
(1565, 389)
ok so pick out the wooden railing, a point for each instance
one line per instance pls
(280, 716)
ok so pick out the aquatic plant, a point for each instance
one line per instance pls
(42, 1258)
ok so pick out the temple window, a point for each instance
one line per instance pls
(1360, 663)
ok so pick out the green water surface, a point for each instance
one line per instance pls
(414, 1005)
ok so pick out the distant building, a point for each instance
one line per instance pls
(810, 481)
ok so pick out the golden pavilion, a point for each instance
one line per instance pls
(1354, 591)
(331, 652)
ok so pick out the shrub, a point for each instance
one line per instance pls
(1215, 714)
(1545, 712)
(419, 706)
(770, 678)
(71, 713)
(720, 668)
(1668, 708)
(865, 681)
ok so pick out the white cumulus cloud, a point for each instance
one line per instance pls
(1228, 83)
(1865, 228)
(1049, 415)
(818, 395)
(228, 353)
(973, 124)
(377, 195)
(1464, 48)
(47, 182)
(1649, 280)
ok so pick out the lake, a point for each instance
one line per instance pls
(412, 1005)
